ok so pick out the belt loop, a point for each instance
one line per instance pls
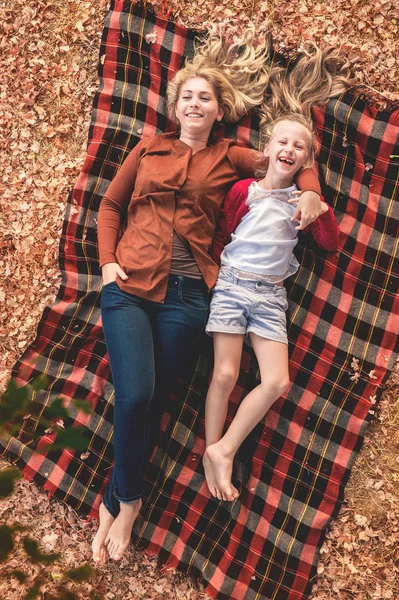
(180, 286)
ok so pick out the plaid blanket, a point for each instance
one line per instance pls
(292, 470)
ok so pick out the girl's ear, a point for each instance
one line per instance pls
(309, 162)
(266, 151)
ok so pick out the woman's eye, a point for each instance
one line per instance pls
(204, 99)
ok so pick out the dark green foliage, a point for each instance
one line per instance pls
(34, 591)
(7, 478)
(73, 437)
(18, 575)
(82, 405)
(56, 409)
(32, 549)
(16, 405)
(6, 542)
(82, 573)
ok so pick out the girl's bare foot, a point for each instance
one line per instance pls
(222, 466)
(118, 538)
(100, 552)
(210, 477)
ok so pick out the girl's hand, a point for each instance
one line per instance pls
(308, 209)
(110, 271)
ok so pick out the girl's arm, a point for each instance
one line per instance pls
(325, 229)
(114, 205)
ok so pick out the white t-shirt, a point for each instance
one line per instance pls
(264, 240)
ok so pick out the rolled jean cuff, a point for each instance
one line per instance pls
(109, 508)
(129, 499)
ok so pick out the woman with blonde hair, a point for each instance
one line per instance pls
(158, 276)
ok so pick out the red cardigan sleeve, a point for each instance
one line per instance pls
(325, 231)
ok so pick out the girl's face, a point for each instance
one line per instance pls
(197, 108)
(288, 149)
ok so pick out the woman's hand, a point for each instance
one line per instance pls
(110, 271)
(309, 208)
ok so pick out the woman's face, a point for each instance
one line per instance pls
(197, 108)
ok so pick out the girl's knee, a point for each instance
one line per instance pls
(276, 387)
(225, 376)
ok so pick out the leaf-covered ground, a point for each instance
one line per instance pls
(48, 59)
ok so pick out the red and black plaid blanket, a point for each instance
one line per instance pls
(292, 470)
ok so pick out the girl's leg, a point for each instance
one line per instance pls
(128, 335)
(273, 364)
(227, 352)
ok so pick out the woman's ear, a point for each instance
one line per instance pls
(220, 114)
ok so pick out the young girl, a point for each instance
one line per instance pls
(249, 301)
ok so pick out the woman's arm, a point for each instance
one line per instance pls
(325, 229)
(113, 206)
(309, 204)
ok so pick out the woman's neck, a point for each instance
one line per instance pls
(275, 181)
(196, 144)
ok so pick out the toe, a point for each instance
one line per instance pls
(111, 547)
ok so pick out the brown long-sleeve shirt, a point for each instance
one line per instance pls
(162, 187)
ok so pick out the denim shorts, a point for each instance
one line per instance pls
(244, 306)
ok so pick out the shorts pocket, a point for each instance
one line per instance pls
(280, 296)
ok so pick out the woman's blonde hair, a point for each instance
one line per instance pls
(238, 73)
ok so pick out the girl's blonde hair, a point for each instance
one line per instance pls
(317, 76)
(238, 73)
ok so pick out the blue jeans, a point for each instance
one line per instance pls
(149, 345)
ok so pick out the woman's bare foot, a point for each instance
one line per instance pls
(210, 477)
(118, 538)
(100, 552)
(222, 466)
